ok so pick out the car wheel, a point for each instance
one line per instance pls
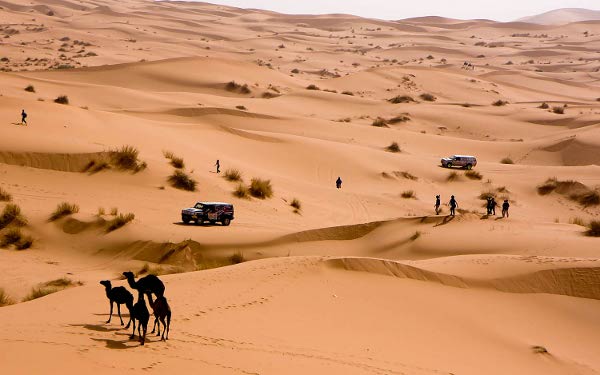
(199, 221)
(469, 167)
(449, 165)
(186, 221)
(226, 221)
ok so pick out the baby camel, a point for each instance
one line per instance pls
(147, 284)
(142, 315)
(162, 311)
(118, 295)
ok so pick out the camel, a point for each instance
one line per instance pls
(142, 315)
(161, 310)
(118, 295)
(147, 284)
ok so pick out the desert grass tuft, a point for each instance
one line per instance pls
(548, 187)
(577, 221)
(539, 349)
(64, 209)
(507, 160)
(126, 158)
(62, 99)
(499, 103)
(260, 188)
(11, 215)
(296, 204)
(428, 97)
(401, 99)
(415, 236)
(232, 175)
(181, 180)
(544, 106)
(473, 175)
(241, 191)
(30, 88)
(380, 122)
(237, 258)
(398, 119)
(558, 110)
(5, 195)
(120, 221)
(11, 237)
(593, 229)
(587, 199)
(5, 300)
(394, 147)
(409, 194)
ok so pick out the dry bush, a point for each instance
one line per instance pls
(120, 221)
(473, 175)
(176, 161)
(349, 93)
(260, 189)
(507, 160)
(234, 86)
(30, 88)
(241, 107)
(394, 147)
(406, 175)
(296, 204)
(398, 119)
(577, 221)
(499, 103)
(270, 95)
(101, 211)
(64, 209)
(126, 158)
(590, 198)
(594, 229)
(313, 87)
(558, 110)
(11, 215)
(548, 187)
(232, 175)
(5, 300)
(5, 195)
(237, 258)
(401, 99)
(539, 349)
(51, 287)
(62, 99)
(380, 122)
(11, 237)
(428, 97)
(409, 194)
(452, 176)
(181, 180)
(295, 71)
(544, 106)
(415, 236)
(114, 211)
(95, 166)
(241, 191)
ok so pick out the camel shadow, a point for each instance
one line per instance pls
(97, 327)
(182, 224)
(114, 344)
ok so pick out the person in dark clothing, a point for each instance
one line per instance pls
(505, 207)
(23, 117)
(338, 183)
(489, 205)
(218, 165)
(493, 206)
(438, 203)
(453, 205)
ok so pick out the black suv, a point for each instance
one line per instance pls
(212, 212)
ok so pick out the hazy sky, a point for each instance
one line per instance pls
(500, 10)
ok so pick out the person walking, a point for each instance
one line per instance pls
(453, 205)
(23, 117)
(505, 207)
(338, 183)
(438, 203)
(489, 206)
(218, 165)
(493, 206)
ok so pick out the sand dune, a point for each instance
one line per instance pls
(365, 279)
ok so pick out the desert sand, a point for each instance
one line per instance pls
(358, 280)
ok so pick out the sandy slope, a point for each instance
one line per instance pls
(434, 294)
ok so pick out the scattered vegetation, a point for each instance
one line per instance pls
(237, 258)
(499, 103)
(176, 161)
(296, 205)
(5, 300)
(349, 93)
(547, 187)
(232, 175)
(5, 195)
(64, 209)
(181, 180)
(401, 99)
(126, 158)
(51, 287)
(428, 97)
(415, 236)
(558, 110)
(62, 99)
(11, 237)
(409, 194)
(594, 229)
(577, 221)
(544, 106)
(241, 107)
(241, 191)
(380, 122)
(399, 119)
(101, 211)
(539, 349)
(507, 160)
(30, 88)
(590, 198)
(407, 175)
(575, 191)
(114, 211)
(95, 166)
(453, 176)
(11, 215)
(473, 175)
(234, 86)
(394, 147)
(120, 221)
(313, 87)
(261, 189)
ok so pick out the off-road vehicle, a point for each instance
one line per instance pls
(462, 161)
(213, 212)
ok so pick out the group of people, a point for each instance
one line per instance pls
(491, 206)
